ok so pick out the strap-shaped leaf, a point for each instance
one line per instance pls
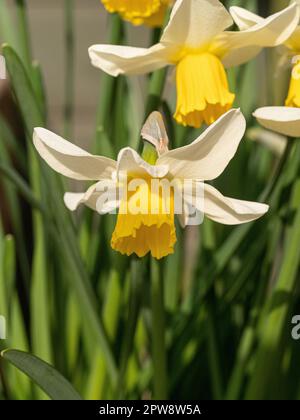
(43, 374)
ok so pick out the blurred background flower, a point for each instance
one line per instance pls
(140, 12)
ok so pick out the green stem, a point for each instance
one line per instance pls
(156, 87)
(21, 185)
(97, 382)
(7, 29)
(160, 387)
(107, 85)
(24, 37)
(271, 187)
(132, 320)
(3, 383)
(213, 354)
(69, 67)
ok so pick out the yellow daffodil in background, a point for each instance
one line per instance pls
(290, 50)
(147, 231)
(139, 12)
(282, 120)
(195, 41)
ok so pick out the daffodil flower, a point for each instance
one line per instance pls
(195, 41)
(146, 231)
(290, 50)
(139, 12)
(282, 120)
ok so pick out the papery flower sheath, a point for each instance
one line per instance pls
(139, 12)
(147, 231)
(290, 50)
(195, 41)
(282, 120)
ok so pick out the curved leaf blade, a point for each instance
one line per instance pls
(43, 374)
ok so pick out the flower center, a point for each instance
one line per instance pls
(145, 222)
(293, 98)
(202, 90)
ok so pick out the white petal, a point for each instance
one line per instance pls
(69, 160)
(183, 216)
(283, 120)
(243, 18)
(116, 59)
(91, 200)
(207, 157)
(2, 67)
(73, 200)
(191, 193)
(154, 131)
(238, 56)
(230, 211)
(195, 22)
(129, 161)
(271, 32)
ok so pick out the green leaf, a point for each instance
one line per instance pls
(30, 110)
(43, 374)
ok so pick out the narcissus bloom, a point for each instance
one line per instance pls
(152, 229)
(282, 120)
(290, 50)
(195, 41)
(139, 12)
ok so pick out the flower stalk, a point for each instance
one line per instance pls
(159, 353)
(69, 67)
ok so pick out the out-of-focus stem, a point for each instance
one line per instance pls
(3, 383)
(213, 354)
(132, 320)
(24, 37)
(270, 188)
(69, 67)
(159, 356)
(24, 189)
(156, 87)
(7, 29)
(107, 83)
(191, 249)
(277, 5)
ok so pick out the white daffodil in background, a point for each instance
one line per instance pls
(140, 12)
(195, 41)
(275, 142)
(282, 120)
(203, 160)
(290, 50)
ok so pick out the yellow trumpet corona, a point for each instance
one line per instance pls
(139, 229)
(139, 12)
(202, 90)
